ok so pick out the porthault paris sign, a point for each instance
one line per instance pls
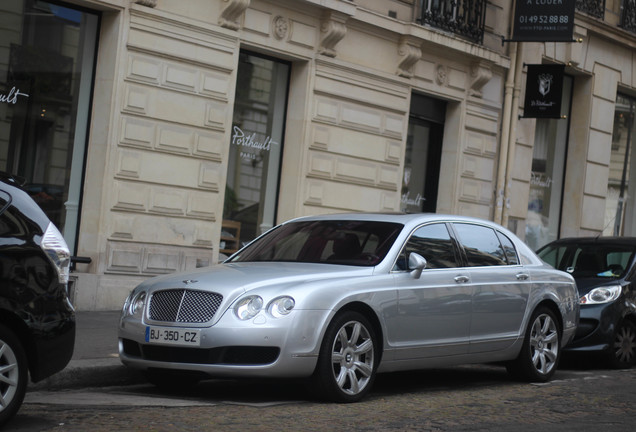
(544, 88)
(249, 144)
(543, 21)
(12, 96)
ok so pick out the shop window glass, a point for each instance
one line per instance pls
(423, 154)
(619, 204)
(255, 150)
(46, 64)
(548, 171)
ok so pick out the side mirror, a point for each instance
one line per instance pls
(417, 263)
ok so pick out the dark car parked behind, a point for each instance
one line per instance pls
(605, 274)
(37, 320)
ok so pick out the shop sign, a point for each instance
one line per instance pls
(12, 96)
(544, 88)
(249, 143)
(543, 21)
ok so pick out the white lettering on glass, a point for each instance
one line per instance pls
(417, 201)
(540, 180)
(12, 96)
(240, 139)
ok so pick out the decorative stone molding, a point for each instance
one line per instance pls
(410, 51)
(231, 13)
(481, 72)
(149, 3)
(333, 29)
(280, 27)
(441, 75)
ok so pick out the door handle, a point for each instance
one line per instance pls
(523, 276)
(461, 279)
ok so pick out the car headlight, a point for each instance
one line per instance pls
(135, 304)
(601, 295)
(281, 306)
(248, 307)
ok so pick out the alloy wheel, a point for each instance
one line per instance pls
(352, 357)
(544, 344)
(624, 347)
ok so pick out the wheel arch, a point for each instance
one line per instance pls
(554, 308)
(10, 320)
(371, 315)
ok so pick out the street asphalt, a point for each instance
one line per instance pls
(95, 361)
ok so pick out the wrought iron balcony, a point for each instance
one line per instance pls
(462, 17)
(628, 15)
(595, 8)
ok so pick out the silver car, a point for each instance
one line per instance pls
(340, 298)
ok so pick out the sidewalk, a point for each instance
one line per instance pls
(95, 360)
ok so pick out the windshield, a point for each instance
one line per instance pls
(359, 243)
(589, 260)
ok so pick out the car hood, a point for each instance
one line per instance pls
(233, 279)
(585, 285)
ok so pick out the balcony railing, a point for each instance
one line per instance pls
(628, 15)
(462, 17)
(595, 8)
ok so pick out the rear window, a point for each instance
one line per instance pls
(589, 260)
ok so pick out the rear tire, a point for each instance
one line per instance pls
(348, 359)
(622, 352)
(541, 351)
(13, 374)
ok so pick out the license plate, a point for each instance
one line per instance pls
(173, 336)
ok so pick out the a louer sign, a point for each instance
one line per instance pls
(543, 21)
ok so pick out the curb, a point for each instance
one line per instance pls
(90, 373)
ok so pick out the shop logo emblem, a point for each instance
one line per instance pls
(545, 82)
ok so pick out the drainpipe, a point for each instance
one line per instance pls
(508, 128)
(505, 133)
(512, 135)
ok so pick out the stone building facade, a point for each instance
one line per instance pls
(165, 134)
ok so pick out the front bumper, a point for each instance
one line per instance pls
(596, 328)
(261, 347)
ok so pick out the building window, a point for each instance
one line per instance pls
(548, 171)
(255, 149)
(619, 207)
(47, 54)
(423, 154)
(463, 17)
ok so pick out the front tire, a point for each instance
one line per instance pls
(541, 351)
(13, 374)
(348, 359)
(622, 352)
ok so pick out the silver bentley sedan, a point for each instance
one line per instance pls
(340, 298)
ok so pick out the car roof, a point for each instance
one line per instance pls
(626, 241)
(403, 218)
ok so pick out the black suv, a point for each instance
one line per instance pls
(37, 320)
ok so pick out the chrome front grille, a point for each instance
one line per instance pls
(184, 306)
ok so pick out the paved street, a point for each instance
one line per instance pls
(471, 398)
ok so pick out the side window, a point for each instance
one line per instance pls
(434, 243)
(509, 249)
(481, 245)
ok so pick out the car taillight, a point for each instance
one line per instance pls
(56, 249)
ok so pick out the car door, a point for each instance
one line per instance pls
(500, 287)
(433, 310)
